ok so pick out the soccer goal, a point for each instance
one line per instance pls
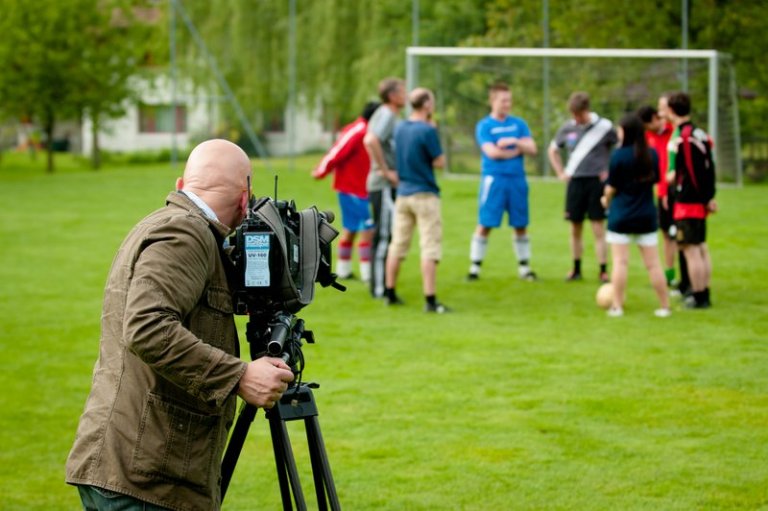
(618, 81)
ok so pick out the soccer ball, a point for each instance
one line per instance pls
(604, 295)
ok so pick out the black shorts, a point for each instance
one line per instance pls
(582, 197)
(691, 231)
(665, 217)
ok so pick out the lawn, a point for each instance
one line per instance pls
(527, 397)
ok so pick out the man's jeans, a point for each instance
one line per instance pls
(99, 499)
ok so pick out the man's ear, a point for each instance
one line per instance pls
(179, 183)
(244, 200)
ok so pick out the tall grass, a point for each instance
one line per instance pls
(526, 397)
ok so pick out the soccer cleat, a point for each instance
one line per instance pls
(471, 277)
(393, 300)
(437, 308)
(662, 313)
(603, 277)
(529, 276)
(615, 312)
(573, 276)
(690, 302)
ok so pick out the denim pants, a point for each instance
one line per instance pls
(99, 499)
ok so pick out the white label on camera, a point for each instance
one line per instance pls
(256, 260)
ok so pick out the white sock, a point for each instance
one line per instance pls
(477, 250)
(343, 267)
(365, 271)
(522, 249)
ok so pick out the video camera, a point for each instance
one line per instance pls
(279, 253)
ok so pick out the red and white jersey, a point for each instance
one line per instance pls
(349, 159)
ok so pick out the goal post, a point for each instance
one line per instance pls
(618, 80)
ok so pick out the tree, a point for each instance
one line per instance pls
(61, 59)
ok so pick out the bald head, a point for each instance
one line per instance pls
(217, 171)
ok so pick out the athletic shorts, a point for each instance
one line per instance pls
(355, 212)
(665, 217)
(422, 210)
(499, 194)
(691, 231)
(648, 239)
(582, 198)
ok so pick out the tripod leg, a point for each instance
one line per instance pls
(244, 420)
(321, 468)
(287, 472)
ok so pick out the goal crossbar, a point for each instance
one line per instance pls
(412, 52)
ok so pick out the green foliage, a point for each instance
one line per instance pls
(526, 397)
(61, 60)
(344, 48)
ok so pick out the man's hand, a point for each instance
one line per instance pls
(392, 177)
(264, 381)
(712, 206)
(504, 142)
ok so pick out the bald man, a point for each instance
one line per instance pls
(165, 383)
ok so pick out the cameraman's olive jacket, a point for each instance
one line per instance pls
(163, 397)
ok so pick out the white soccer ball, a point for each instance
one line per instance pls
(604, 295)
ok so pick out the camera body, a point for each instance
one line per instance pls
(279, 253)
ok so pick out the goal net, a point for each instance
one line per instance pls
(618, 81)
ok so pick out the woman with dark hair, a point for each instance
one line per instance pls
(628, 196)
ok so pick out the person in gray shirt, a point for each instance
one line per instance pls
(382, 178)
(588, 140)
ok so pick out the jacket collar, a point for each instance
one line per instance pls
(181, 200)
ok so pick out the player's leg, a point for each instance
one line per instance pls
(384, 205)
(598, 230)
(577, 248)
(620, 254)
(429, 220)
(398, 248)
(364, 253)
(490, 211)
(347, 237)
(575, 210)
(377, 270)
(691, 237)
(596, 213)
(358, 213)
(647, 244)
(517, 211)
(670, 245)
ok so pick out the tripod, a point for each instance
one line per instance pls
(298, 403)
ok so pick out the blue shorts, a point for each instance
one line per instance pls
(503, 193)
(355, 212)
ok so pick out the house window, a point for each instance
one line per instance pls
(161, 118)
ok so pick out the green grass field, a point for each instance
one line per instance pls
(527, 397)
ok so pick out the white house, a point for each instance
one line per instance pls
(152, 123)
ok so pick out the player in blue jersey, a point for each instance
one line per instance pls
(503, 140)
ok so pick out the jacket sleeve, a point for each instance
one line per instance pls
(170, 277)
(708, 178)
(344, 147)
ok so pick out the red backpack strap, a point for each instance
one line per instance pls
(686, 136)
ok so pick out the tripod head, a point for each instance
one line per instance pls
(280, 334)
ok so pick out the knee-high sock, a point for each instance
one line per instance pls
(477, 250)
(522, 249)
(364, 251)
(344, 261)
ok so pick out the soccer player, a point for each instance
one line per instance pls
(418, 151)
(658, 131)
(694, 182)
(503, 140)
(382, 178)
(588, 140)
(349, 159)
